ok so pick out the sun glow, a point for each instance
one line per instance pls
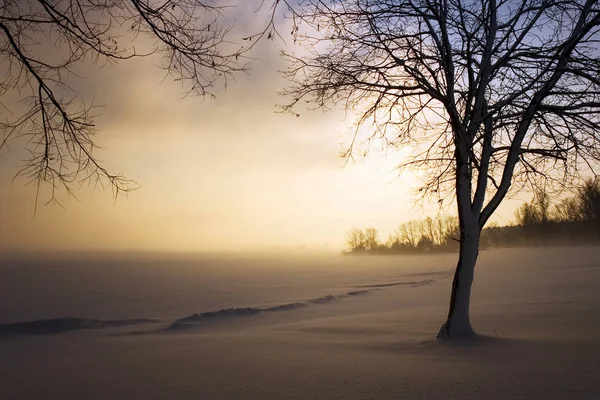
(224, 173)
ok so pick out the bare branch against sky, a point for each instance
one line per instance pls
(46, 45)
(492, 94)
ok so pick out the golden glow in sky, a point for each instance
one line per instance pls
(215, 174)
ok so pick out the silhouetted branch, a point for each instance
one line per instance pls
(44, 43)
(498, 95)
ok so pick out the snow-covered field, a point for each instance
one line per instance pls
(298, 327)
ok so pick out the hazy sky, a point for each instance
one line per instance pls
(215, 174)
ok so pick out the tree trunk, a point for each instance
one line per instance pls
(458, 324)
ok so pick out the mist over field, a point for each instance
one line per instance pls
(297, 326)
(180, 178)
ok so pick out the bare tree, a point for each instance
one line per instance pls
(527, 214)
(356, 239)
(493, 95)
(589, 201)
(45, 44)
(536, 212)
(371, 239)
(542, 203)
(567, 210)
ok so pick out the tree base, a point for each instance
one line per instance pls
(455, 332)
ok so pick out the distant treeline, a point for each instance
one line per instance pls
(571, 221)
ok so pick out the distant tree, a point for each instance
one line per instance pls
(567, 210)
(491, 94)
(533, 217)
(409, 233)
(527, 214)
(371, 239)
(430, 231)
(542, 205)
(425, 244)
(449, 229)
(589, 201)
(417, 235)
(356, 240)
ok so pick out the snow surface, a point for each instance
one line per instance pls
(298, 328)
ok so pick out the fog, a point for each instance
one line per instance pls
(243, 326)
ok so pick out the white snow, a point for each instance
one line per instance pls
(538, 311)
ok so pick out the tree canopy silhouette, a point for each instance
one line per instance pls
(493, 94)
